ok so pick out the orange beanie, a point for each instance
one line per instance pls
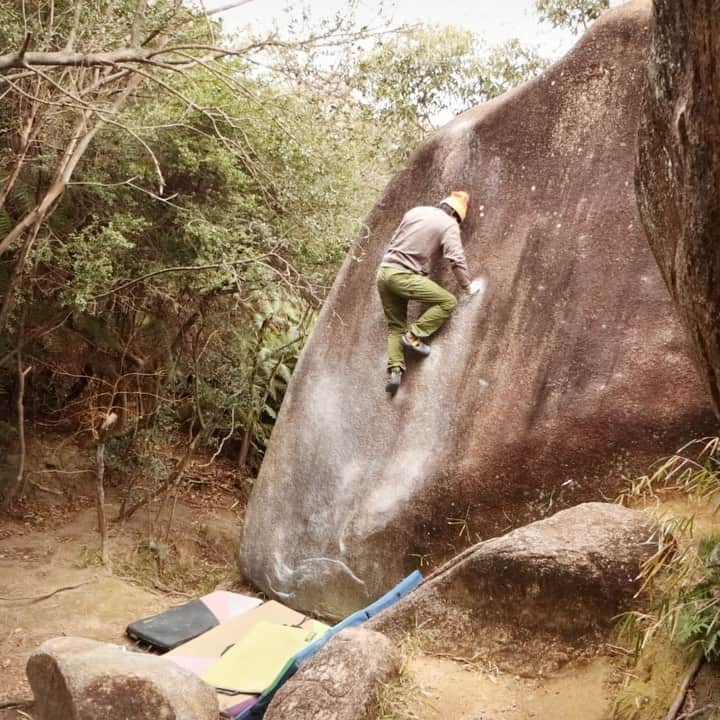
(458, 200)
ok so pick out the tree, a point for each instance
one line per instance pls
(156, 195)
(508, 65)
(414, 81)
(574, 15)
(93, 61)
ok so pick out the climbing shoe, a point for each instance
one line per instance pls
(410, 341)
(393, 382)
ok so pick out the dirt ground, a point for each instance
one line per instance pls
(52, 584)
(446, 689)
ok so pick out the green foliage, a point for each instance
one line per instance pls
(421, 76)
(206, 217)
(508, 65)
(282, 329)
(683, 576)
(575, 15)
(698, 611)
(92, 255)
(418, 74)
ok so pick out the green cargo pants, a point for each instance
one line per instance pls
(396, 288)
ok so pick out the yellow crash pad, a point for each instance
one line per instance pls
(255, 660)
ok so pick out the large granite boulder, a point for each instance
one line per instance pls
(80, 679)
(678, 169)
(341, 682)
(568, 375)
(534, 596)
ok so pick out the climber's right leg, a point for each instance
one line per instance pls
(411, 286)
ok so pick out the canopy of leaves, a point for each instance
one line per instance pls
(413, 81)
(575, 15)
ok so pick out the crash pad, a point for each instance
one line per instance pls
(201, 653)
(177, 625)
(235, 708)
(403, 588)
(253, 663)
(212, 643)
(256, 708)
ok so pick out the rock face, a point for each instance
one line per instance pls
(80, 679)
(341, 682)
(678, 169)
(569, 373)
(550, 587)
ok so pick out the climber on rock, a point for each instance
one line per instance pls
(403, 276)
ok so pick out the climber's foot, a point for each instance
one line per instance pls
(393, 381)
(414, 343)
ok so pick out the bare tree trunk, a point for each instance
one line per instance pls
(100, 501)
(176, 492)
(111, 418)
(37, 216)
(73, 154)
(126, 497)
(70, 159)
(19, 479)
(245, 447)
(27, 135)
(16, 279)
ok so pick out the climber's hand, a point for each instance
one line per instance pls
(477, 285)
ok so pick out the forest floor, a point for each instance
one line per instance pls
(57, 552)
(55, 549)
(439, 688)
(607, 686)
(52, 583)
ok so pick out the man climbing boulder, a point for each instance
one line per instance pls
(573, 373)
(422, 232)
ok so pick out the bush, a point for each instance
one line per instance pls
(683, 577)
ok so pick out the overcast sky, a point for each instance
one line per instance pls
(493, 20)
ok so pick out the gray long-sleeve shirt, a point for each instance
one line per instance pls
(421, 233)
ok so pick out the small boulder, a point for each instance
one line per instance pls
(341, 681)
(80, 679)
(547, 590)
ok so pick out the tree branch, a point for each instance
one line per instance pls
(72, 157)
(67, 58)
(180, 268)
(27, 135)
(25, 46)
(149, 56)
